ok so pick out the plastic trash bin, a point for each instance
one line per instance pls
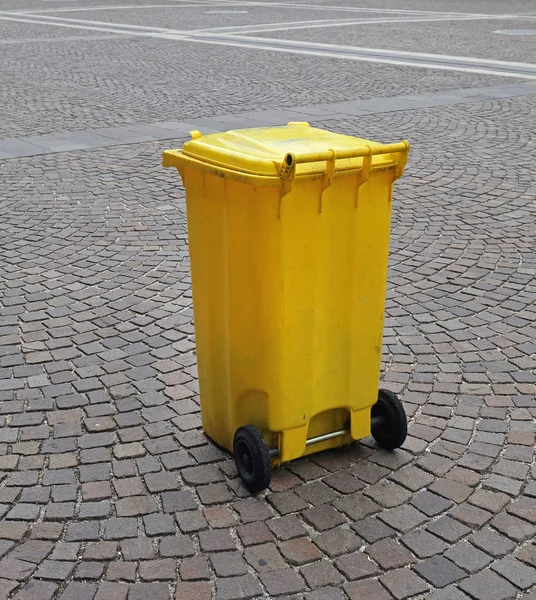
(288, 235)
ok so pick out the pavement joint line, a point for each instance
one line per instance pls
(337, 23)
(48, 19)
(374, 9)
(400, 58)
(341, 8)
(74, 38)
(96, 138)
(39, 11)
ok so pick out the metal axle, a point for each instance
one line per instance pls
(374, 422)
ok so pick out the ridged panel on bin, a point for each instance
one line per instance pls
(289, 281)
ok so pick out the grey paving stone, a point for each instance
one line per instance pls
(448, 593)
(244, 586)
(488, 584)
(79, 591)
(121, 528)
(282, 581)
(521, 575)
(423, 544)
(36, 590)
(403, 583)
(469, 558)
(178, 545)
(439, 571)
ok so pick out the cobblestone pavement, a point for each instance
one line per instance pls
(108, 488)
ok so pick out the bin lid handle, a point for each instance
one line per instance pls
(290, 161)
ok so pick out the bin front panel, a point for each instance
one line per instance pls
(289, 296)
(334, 263)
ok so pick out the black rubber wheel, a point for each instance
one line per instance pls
(252, 458)
(389, 425)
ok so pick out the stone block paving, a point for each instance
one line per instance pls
(109, 490)
(142, 83)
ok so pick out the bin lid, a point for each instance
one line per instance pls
(263, 151)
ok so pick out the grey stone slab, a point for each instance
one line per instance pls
(398, 103)
(61, 145)
(351, 107)
(376, 105)
(90, 139)
(123, 134)
(429, 100)
(340, 115)
(172, 125)
(324, 110)
(499, 91)
(18, 148)
(155, 132)
(264, 118)
(206, 123)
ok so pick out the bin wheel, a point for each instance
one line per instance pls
(389, 425)
(252, 458)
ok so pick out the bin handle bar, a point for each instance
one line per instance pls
(273, 452)
(291, 160)
(374, 422)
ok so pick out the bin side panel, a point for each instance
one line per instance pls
(233, 242)
(207, 217)
(254, 303)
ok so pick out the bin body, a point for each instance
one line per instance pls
(289, 279)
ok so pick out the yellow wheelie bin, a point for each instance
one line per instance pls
(288, 235)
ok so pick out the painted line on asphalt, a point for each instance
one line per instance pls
(374, 55)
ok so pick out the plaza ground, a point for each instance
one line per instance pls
(108, 488)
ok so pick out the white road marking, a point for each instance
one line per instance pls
(101, 8)
(325, 7)
(80, 23)
(239, 28)
(333, 23)
(391, 57)
(71, 25)
(342, 8)
(73, 38)
(516, 31)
